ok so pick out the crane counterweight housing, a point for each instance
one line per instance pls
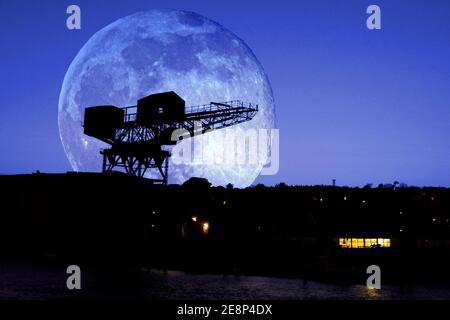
(101, 122)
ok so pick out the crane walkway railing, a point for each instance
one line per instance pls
(207, 110)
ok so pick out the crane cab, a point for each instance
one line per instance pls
(165, 107)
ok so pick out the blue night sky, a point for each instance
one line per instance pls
(352, 104)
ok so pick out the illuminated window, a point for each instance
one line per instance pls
(364, 242)
(371, 243)
(345, 243)
(384, 242)
(205, 227)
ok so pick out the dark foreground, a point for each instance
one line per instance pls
(44, 282)
(256, 243)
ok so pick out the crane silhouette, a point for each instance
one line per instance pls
(137, 134)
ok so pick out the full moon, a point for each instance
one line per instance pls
(157, 51)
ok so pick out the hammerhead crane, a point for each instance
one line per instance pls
(136, 134)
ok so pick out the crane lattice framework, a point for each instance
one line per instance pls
(137, 134)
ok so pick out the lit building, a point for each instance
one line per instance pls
(362, 243)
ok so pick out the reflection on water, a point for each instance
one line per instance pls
(24, 282)
(178, 285)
